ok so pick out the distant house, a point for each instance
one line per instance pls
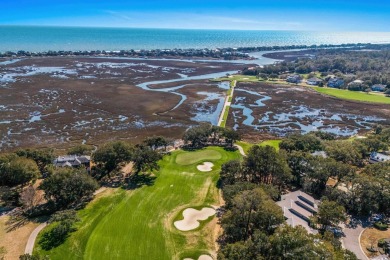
(378, 87)
(356, 84)
(335, 82)
(378, 157)
(294, 79)
(314, 81)
(73, 161)
(320, 154)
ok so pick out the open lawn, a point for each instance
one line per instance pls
(138, 223)
(14, 240)
(197, 156)
(273, 143)
(354, 95)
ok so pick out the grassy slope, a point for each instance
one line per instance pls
(197, 156)
(273, 143)
(354, 95)
(138, 224)
(246, 146)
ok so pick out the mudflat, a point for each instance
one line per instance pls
(62, 101)
(263, 111)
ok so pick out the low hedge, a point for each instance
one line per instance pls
(380, 225)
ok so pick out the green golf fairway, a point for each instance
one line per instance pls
(197, 156)
(138, 224)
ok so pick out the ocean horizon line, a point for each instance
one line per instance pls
(44, 38)
(186, 29)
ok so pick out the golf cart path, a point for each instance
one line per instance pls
(351, 241)
(227, 103)
(33, 237)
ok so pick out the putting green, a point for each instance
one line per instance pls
(188, 158)
(138, 224)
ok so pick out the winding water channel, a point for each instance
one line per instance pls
(277, 123)
(210, 116)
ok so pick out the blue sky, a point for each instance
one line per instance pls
(320, 15)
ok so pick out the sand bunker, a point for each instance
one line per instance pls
(192, 218)
(202, 257)
(205, 167)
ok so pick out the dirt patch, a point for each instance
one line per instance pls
(15, 240)
(127, 169)
(370, 237)
(205, 167)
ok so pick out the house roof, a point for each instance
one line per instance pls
(71, 160)
(380, 86)
(294, 76)
(358, 81)
(334, 79)
(298, 211)
(379, 157)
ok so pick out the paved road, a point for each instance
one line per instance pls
(226, 104)
(351, 240)
(32, 238)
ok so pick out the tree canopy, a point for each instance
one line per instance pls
(16, 170)
(68, 187)
(110, 155)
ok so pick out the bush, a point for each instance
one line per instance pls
(56, 235)
(9, 197)
(63, 225)
(33, 257)
(381, 242)
(65, 215)
(380, 225)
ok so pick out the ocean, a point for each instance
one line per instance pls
(39, 38)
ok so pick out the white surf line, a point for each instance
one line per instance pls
(227, 103)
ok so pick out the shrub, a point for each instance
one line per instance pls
(381, 242)
(56, 235)
(380, 225)
(63, 225)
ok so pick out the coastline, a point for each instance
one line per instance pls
(230, 54)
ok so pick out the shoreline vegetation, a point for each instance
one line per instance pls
(217, 53)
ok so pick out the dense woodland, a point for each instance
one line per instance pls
(372, 66)
(254, 226)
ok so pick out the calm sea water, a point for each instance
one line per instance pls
(28, 38)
